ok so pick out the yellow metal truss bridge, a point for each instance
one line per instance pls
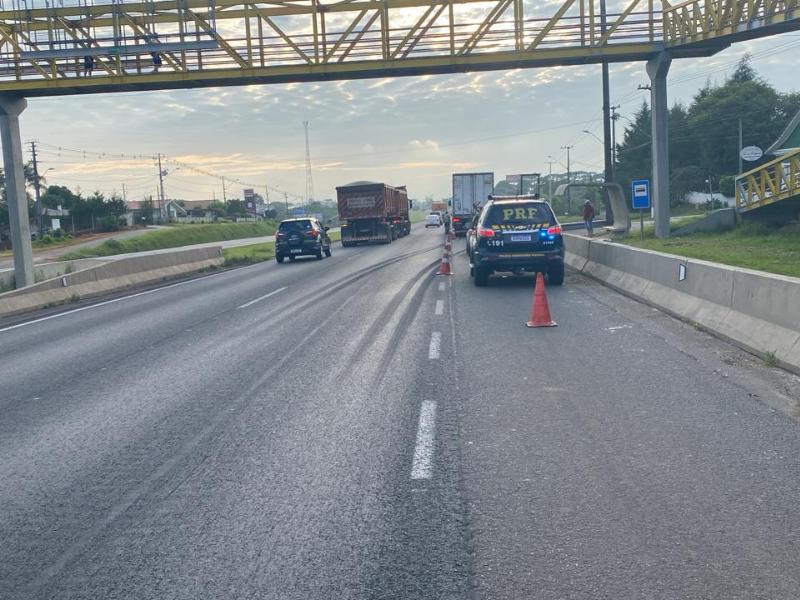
(118, 46)
(772, 182)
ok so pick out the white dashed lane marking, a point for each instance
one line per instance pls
(422, 467)
(439, 307)
(434, 349)
(260, 298)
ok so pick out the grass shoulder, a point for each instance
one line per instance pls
(750, 246)
(175, 237)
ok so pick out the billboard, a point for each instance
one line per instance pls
(249, 200)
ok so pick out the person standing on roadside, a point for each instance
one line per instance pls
(588, 217)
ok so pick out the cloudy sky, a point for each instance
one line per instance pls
(414, 130)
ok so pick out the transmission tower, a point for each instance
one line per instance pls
(309, 178)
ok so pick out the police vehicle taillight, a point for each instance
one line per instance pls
(554, 230)
(485, 232)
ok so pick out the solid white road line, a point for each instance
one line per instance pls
(439, 307)
(441, 286)
(422, 468)
(435, 346)
(260, 298)
(99, 304)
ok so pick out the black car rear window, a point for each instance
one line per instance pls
(519, 215)
(293, 226)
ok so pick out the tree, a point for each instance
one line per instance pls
(633, 154)
(683, 180)
(145, 212)
(713, 119)
(59, 195)
(704, 136)
(218, 208)
(235, 208)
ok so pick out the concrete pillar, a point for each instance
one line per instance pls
(657, 69)
(14, 168)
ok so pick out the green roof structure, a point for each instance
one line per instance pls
(789, 140)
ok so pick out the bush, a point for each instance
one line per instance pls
(113, 246)
(108, 223)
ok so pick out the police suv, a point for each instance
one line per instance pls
(516, 234)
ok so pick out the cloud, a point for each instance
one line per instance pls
(424, 144)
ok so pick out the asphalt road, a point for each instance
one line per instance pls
(359, 428)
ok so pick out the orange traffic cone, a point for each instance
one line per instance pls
(540, 310)
(444, 268)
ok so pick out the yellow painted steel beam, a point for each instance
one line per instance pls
(46, 47)
(769, 183)
(697, 21)
(331, 71)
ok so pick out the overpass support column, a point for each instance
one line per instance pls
(14, 168)
(657, 69)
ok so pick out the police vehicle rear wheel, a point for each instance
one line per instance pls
(480, 276)
(279, 258)
(555, 274)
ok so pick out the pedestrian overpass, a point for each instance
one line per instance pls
(772, 189)
(43, 51)
(63, 47)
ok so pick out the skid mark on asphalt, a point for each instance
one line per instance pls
(107, 302)
(422, 467)
(435, 347)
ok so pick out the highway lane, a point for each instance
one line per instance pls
(622, 454)
(186, 443)
(358, 428)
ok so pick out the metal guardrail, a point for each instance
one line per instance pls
(772, 182)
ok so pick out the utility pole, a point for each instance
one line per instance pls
(224, 193)
(161, 198)
(740, 144)
(36, 186)
(286, 201)
(266, 196)
(614, 117)
(608, 159)
(550, 179)
(124, 194)
(309, 178)
(569, 177)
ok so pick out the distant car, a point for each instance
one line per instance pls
(516, 235)
(301, 237)
(433, 220)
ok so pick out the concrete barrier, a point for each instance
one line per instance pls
(47, 271)
(757, 311)
(109, 276)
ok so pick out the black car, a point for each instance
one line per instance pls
(301, 237)
(516, 235)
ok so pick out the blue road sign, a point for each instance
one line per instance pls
(640, 193)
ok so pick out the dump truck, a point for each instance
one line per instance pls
(439, 206)
(470, 192)
(372, 212)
